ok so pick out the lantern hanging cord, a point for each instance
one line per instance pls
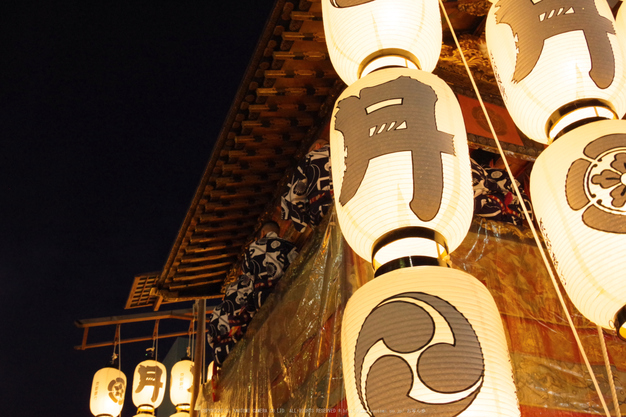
(204, 367)
(192, 332)
(609, 373)
(189, 336)
(155, 340)
(525, 209)
(117, 346)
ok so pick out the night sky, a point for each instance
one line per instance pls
(108, 115)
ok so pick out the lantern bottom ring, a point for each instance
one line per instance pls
(620, 323)
(407, 233)
(145, 409)
(409, 262)
(578, 113)
(369, 64)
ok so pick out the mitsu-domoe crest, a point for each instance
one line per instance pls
(429, 338)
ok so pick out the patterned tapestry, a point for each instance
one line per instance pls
(289, 362)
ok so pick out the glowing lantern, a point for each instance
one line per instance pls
(578, 187)
(401, 166)
(558, 64)
(107, 392)
(363, 35)
(428, 339)
(180, 384)
(149, 386)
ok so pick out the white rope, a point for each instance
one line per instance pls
(532, 227)
(119, 349)
(609, 373)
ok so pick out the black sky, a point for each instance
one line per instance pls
(108, 114)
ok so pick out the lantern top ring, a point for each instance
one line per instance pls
(410, 232)
(576, 114)
(385, 58)
(146, 409)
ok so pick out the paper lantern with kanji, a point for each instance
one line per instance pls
(578, 187)
(149, 384)
(401, 167)
(426, 340)
(107, 392)
(393, 32)
(558, 63)
(181, 382)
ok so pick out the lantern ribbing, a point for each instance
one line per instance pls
(525, 209)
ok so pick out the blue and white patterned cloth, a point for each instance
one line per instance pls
(310, 191)
(494, 196)
(264, 264)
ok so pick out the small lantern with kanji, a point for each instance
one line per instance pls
(149, 386)
(181, 383)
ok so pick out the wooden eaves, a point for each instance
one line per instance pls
(285, 97)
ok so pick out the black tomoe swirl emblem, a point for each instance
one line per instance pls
(416, 351)
(597, 183)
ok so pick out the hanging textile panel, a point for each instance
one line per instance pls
(289, 362)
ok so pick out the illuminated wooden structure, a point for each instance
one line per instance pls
(284, 99)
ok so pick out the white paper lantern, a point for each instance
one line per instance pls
(149, 384)
(557, 64)
(358, 32)
(578, 188)
(426, 341)
(107, 392)
(400, 164)
(181, 382)
(180, 414)
(620, 28)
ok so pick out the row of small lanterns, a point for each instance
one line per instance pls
(422, 336)
(149, 381)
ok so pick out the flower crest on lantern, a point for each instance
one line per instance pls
(612, 180)
(578, 186)
(597, 183)
(107, 392)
